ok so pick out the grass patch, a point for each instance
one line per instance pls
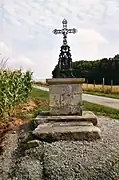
(115, 96)
(37, 94)
(40, 97)
(101, 110)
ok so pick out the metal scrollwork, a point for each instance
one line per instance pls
(64, 66)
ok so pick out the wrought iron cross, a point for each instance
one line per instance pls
(64, 31)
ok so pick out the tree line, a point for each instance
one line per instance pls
(107, 68)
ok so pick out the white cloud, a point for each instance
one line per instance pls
(90, 36)
(4, 50)
(14, 60)
(85, 44)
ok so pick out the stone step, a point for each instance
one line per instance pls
(87, 117)
(55, 131)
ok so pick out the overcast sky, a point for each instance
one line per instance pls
(26, 31)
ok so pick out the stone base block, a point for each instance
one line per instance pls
(65, 96)
(54, 128)
(55, 131)
(65, 110)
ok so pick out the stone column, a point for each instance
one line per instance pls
(65, 96)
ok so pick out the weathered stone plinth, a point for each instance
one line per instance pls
(65, 96)
(65, 120)
(54, 128)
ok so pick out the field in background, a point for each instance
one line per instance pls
(101, 88)
(92, 88)
(111, 91)
(40, 83)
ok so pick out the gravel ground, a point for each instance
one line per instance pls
(63, 160)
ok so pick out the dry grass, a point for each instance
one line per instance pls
(108, 89)
(40, 83)
(100, 88)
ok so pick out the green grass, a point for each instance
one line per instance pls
(38, 94)
(115, 96)
(101, 110)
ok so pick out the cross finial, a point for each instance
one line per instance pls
(64, 31)
(64, 22)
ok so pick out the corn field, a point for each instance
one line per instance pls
(15, 87)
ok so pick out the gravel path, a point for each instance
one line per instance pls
(65, 160)
(83, 160)
(109, 102)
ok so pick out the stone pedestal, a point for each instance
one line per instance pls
(65, 120)
(65, 96)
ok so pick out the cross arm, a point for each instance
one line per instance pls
(72, 30)
(57, 31)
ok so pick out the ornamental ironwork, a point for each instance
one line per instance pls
(64, 67)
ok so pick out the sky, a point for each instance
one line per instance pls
(26, 36)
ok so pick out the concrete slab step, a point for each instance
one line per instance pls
(86, 117)
(55, 131)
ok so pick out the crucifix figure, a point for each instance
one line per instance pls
(64, 67)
